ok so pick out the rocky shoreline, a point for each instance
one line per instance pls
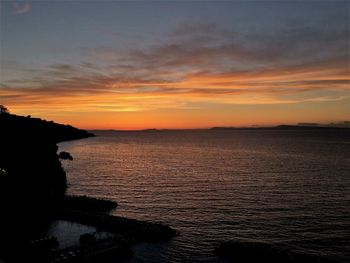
(94, 212)
(32, 196)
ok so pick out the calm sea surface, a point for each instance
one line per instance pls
(277, 186)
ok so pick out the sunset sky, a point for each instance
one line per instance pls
(176, 64)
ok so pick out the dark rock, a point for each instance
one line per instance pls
(87, 239)
(65, 156)
(87, 203)
(237, 251)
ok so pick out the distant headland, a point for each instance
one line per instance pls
(299, 126)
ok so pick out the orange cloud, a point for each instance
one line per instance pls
(189, 77)
(269, 86)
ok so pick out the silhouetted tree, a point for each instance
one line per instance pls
(4, 110)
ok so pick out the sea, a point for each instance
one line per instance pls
(285, 187)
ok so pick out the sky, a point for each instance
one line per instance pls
(176, 64)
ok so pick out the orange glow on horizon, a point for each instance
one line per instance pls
(202, 100)
(195, 66)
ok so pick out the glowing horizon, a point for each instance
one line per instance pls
(187, 68)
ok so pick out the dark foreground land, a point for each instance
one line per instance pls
(32, 196)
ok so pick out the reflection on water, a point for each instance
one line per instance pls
(286, 187)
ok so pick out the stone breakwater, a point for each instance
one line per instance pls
(138, 230)
(93, 212)
(87, 203)
(124, 232)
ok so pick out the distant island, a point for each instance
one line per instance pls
(299, 126)
(289, 127)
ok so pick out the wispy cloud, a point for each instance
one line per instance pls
(295, 66)
(20, 8)
(322, 81)
(210, 47)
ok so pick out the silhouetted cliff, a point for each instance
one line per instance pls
(29, 163)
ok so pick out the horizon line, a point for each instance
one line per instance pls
(345, 125)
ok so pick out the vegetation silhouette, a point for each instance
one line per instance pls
(29, 156)
(4, 110)
(31, 174)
